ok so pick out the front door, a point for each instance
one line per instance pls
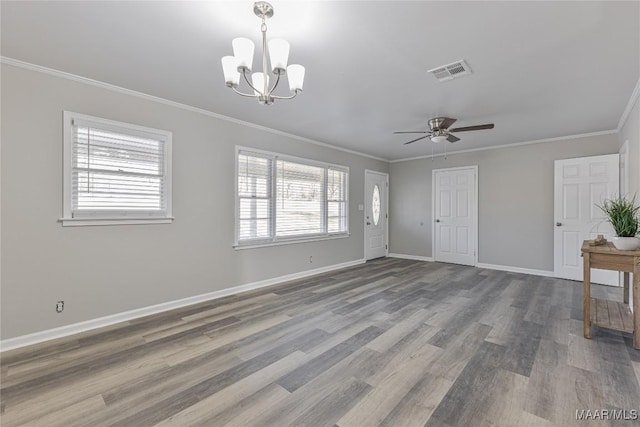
(375, 218)
(579, 185)
(455, 215)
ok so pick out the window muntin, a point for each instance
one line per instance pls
(115, 172)
(298, 199)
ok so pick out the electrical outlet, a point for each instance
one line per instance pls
(59, 306)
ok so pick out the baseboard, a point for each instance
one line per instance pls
(516, 269)
(412, 257)
(63, 331)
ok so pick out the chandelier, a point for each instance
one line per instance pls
(242, 60)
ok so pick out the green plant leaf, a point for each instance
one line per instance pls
(622, 214)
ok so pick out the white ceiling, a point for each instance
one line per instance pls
(541, 69)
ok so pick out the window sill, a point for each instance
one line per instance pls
(290, 241)
(75, 222)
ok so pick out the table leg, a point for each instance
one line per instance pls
(586, 313)
(636, 303)
(625, 298)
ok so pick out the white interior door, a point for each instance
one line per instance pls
(375, 214)
(580, 184)
(455, 215)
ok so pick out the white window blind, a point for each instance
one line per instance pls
(281, 198)
(300, 199)
(254, 196)
(116, 170)
(336, 201)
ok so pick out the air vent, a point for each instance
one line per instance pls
(451, 71)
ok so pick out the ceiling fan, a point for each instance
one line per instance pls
(439, 130)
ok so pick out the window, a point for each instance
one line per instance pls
(281, 198)
(375, 204)
(115, 173)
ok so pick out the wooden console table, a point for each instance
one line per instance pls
(605, 313)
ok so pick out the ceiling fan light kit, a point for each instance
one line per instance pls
(240, 64)
(438, 138)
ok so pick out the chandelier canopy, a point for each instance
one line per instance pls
(242, 60)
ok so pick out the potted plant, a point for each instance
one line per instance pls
(623, 216)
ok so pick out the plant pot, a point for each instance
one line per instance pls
(626, 243)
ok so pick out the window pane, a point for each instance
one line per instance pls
(337, 217)
(254, 193)
(110, 151)
(116, 171)
(254, 176)
(254, 229)
(336, 184)
(375, 204)
(299, 199)
(254, 209)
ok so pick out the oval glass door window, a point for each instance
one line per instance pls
(375, 204)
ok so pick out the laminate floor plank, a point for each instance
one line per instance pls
(205, 412)
(417, 406)
(391, 342)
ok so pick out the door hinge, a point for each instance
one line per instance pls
(386, 216)
(386, 247)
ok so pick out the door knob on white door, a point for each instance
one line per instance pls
(368, 223)
(437, 220)
(558, 224)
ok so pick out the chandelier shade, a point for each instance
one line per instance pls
(238, 66)
(258, 82)
(296, 77)
(230, 69)
(279, 55)
(243, 51)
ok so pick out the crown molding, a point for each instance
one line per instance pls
(515, 144)
(632, 100)
(107, 86)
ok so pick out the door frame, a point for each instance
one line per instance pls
(433, 209)
(623, 170)
(364, 212)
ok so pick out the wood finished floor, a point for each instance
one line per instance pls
(390, 343)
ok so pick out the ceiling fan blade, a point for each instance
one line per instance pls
(478, 127)
(452, 138)
(417, 139)
(447, 122)
(422, 131)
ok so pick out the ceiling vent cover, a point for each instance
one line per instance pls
(451, 71)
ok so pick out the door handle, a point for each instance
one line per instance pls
(558, 224)
(437, 220)
(368, 223)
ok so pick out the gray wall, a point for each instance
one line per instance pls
(103, 270)
(515, 200)
(631, 131)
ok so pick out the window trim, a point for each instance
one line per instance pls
(122, 217)
(274, 240)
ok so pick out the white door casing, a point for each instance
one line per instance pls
(376, 216)
(455, 214)
(624, 169)
(579, 185)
